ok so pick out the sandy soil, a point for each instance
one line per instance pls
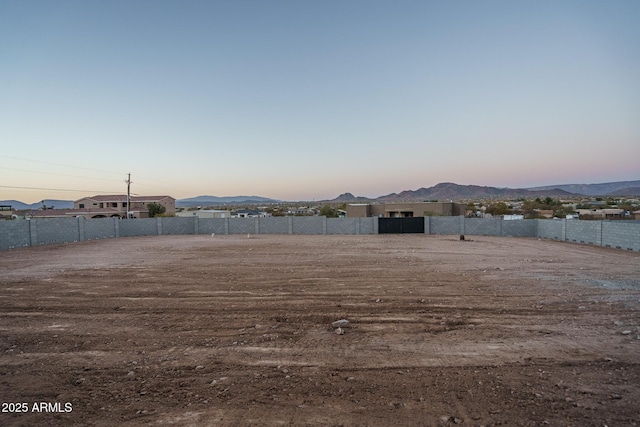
(230, 330)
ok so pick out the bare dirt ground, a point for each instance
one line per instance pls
(230, 330)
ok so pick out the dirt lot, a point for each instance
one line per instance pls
(230, 330)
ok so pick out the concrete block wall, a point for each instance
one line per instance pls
(274, 225)
(14, 234)
(176, 225)
(583, 232)
(551, 228)
(53, 230)
(445, 224)
(343, 226)
(309, 225)
(98, 228)
(482, 226)
(616, 234)
(213, 225)
(518, 228)
(20, 233)
(367, 226)
(242, 226)
(138, 227)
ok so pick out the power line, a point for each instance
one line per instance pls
(166, 184)
(82, 168)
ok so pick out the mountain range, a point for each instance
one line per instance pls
(50, 203)
(442, 191)
(215, 200)
(620, 188)
(451, 191)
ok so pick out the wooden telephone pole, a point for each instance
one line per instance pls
(128, 181)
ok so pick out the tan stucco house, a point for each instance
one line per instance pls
(405, 210)
(116, 206)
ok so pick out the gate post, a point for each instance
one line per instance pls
(33, 232)
(80, 228)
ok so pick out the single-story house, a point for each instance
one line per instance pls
(205, 213)
(405, 210)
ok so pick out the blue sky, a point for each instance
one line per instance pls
(301, 100)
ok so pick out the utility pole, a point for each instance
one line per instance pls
(128, 181)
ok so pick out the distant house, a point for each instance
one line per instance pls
(612, 213)
(113, 206)
(512, 217)
(545, 213)
(248, 213)
(302, 211)
(116, 206)
(405, 210)
(204, 213)
(6, 212)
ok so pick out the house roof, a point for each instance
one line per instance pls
(247, 211)
(61, 213)
(72, 212)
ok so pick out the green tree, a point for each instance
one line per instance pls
(155, 209)
(499, 208)
(529, 208)
(328, 211)
(563, 211)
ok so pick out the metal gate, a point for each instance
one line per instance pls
(401, 225)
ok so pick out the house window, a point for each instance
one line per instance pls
(81, 205)
(114, 205)
(124, 204)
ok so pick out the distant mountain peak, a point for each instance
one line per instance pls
(348, 197)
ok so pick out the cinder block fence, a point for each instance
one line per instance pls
(24, 233)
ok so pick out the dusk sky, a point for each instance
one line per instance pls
(302, 100)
